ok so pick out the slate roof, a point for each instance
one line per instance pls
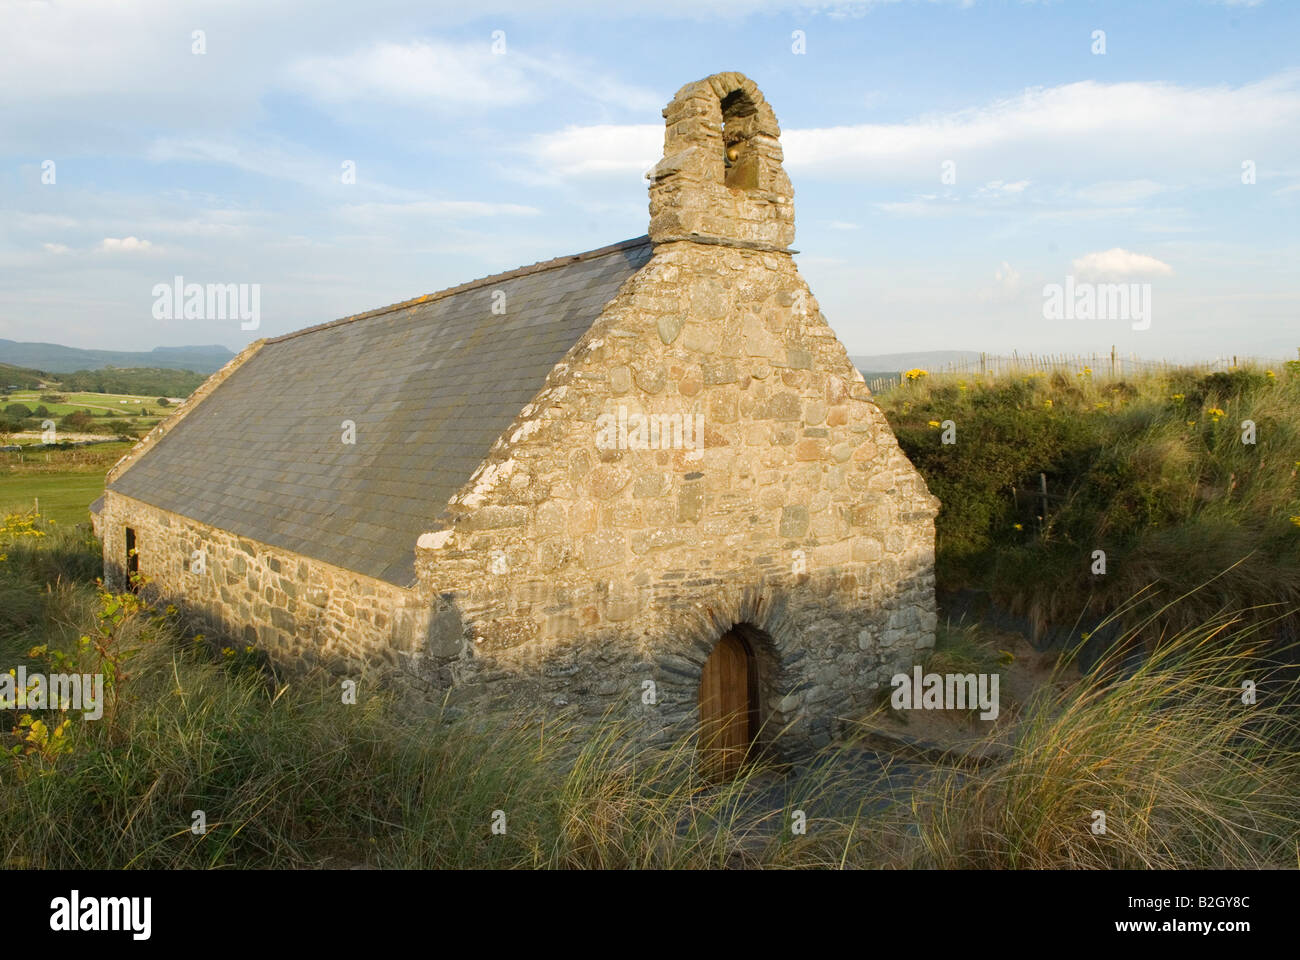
(430, 383)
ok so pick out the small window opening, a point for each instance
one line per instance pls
(132, 562)
(739, 159)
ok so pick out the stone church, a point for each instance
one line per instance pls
(642, 482)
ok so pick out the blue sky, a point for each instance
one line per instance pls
(225, 166)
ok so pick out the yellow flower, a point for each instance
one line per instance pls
(1047, 403)
(227, 652)
(1177, 396)
(935, 424)
(1269, 373)
(1019, 526)
(248, 649)
(916, 373)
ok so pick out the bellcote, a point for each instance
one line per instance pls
(721, 179)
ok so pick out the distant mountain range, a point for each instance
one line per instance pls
(885, 363)
(53, 358)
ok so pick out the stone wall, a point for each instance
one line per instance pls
(569, 574)
(297, 610)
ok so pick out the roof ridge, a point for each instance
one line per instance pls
(538, 267)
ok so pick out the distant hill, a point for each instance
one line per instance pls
(54, 358)
(20, 377)
(887, 363)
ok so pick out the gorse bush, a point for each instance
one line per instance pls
(1153, 471)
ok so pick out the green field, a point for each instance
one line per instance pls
(64, 497)
(97, 403)
(65, 481)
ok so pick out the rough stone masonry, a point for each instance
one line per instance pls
(487, 538)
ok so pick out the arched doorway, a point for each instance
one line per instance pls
(728, 705)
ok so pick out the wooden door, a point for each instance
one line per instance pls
(725, 706)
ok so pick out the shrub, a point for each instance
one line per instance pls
(1149, 469)
(80, 420)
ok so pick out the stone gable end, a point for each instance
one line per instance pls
(589, 559)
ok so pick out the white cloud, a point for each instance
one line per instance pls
(267, 160)
(930, 206)
(56, 248)
(1159, 129)
(842, 225)
(1117, 264)
(436, 210)
(601, 150)
(427, 73)
(1119, 192)
(39, 222)
(124, 245)
(421, 71)
(1006, 286)
(999, 188)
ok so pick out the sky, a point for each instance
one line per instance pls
(951, 160)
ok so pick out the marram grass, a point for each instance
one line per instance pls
(287, 776)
